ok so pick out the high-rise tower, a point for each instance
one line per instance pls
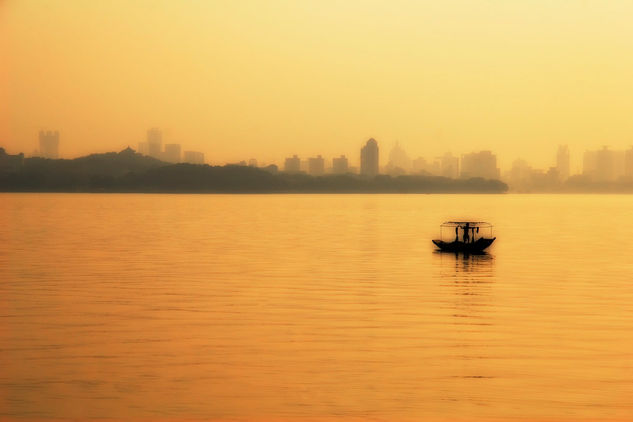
(155, 143)
(49, 144)
(562, 162)
(369, 159)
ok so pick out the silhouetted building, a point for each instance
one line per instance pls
(562, 162)
(340, 165)
(128, 153)
(49, 144)
(10, 162)
(271, 168)
(292, 164)
(480, 164)
(193, 157)
(172, 153)
(154, 143)
(316, 165)
(399, 161)
(369, 159)
(449, 166)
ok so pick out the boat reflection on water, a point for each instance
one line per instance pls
(469, 278)
(467, 284)
(477, 268)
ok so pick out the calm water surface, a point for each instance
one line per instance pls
(290, 307)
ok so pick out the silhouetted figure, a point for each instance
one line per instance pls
(466, 229)
(456, 233)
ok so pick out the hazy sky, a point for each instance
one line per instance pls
(238, 79)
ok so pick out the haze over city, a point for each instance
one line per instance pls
(316, 210)
(266, 80)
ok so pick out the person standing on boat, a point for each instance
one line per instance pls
(466, 229)
(457, 233)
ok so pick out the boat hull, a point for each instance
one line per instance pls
(477, 246)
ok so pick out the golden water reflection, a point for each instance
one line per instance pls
(292, 307)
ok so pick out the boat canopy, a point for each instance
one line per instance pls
(481, 224)
(461, 225)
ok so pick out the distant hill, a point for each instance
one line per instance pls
(128, 171)
(79, 174)
(107, 164)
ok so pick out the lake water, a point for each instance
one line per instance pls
(314, 307)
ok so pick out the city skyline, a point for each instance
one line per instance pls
(598, 166)
(315, 78)
(446, 164)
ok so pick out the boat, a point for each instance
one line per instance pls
(467, 237)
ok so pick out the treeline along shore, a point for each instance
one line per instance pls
(128, 171)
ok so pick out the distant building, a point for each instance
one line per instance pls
(316, 165)
(521, 176)
(271, 168)
(10, 162)
(172, 153)
(193, 157)
(340, 165)
(562, 162)
(480, 164)
(369, 159)
(252, 162)
(628, 163)
(449, 166)
(49, 144)
(143, 148)
(127, 152)
(399, 161)
(292, 164)
(421, 166)
(604, 165)
(155, 143)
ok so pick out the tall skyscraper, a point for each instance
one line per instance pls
(340, 165)
(369, 159)
(316, 165)
(49, 144)
(155, 143)
(562, 162)
(292, 164)
(172, 153)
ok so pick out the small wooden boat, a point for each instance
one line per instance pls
(467, 237)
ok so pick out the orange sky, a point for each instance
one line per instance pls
(270, 78)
